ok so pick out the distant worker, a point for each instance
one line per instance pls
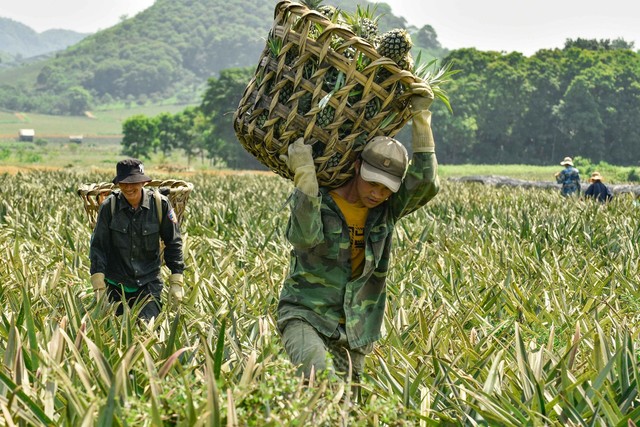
(125, 245)
(597, 189)
(569, 177)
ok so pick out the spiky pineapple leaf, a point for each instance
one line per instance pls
(435, 77)
(275, 46)
(339, 83)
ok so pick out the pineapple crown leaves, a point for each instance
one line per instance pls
(435, 77)
(362, 13)
(312, 4)
(364, 22)
(389, 118)
(339, 83)
(275, 46)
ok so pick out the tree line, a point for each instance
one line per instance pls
(204, 132)
(582, 100)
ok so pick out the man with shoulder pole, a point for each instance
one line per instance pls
(333, 300)
(125, 244)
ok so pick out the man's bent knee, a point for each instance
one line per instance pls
(305, 347)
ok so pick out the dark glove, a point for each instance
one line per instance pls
(300, 161)
(422, 137)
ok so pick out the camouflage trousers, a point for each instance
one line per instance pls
(310, 350)
(570, 190)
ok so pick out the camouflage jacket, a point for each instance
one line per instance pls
(319, 287)
(570, 180)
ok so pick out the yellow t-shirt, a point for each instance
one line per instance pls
(356, 217)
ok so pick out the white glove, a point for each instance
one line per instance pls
(422, 137)
(98, 284)
(300, 161)
(176, 292)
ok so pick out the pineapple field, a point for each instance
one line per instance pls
(506, 307)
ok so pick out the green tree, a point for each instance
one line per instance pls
(169, 132)
(79, 100)
(186, 133)
(537, 132)
(139, 133)
(580, 121)
(219, 102)
(427, 38)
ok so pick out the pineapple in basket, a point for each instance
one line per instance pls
(332, 13)
(364, 23)
(395, 44)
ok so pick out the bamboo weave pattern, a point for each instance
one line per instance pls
(94, 194)
(288, 96)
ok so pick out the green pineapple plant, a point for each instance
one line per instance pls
(334, 160)
(304, 104)
(329, 11)
(262, 119)
(314, 5)
(372, 108)
(406, 62)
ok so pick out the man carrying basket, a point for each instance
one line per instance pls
(125, 244)
(333, 301)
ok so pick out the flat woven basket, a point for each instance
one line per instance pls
(288, 97)
(94, 194)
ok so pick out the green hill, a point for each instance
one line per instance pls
(168, 51)
(20, 41)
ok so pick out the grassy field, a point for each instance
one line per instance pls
(505, 308)
(98, 124)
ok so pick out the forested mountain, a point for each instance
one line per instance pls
(167, 51)
(19, 40)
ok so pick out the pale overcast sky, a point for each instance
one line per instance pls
(503, 25)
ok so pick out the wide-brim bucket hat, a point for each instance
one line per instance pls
(130, 171)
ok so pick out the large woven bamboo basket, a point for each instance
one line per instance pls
(288, 96)
(94, 194)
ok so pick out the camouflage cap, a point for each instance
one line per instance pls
(384, 161)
